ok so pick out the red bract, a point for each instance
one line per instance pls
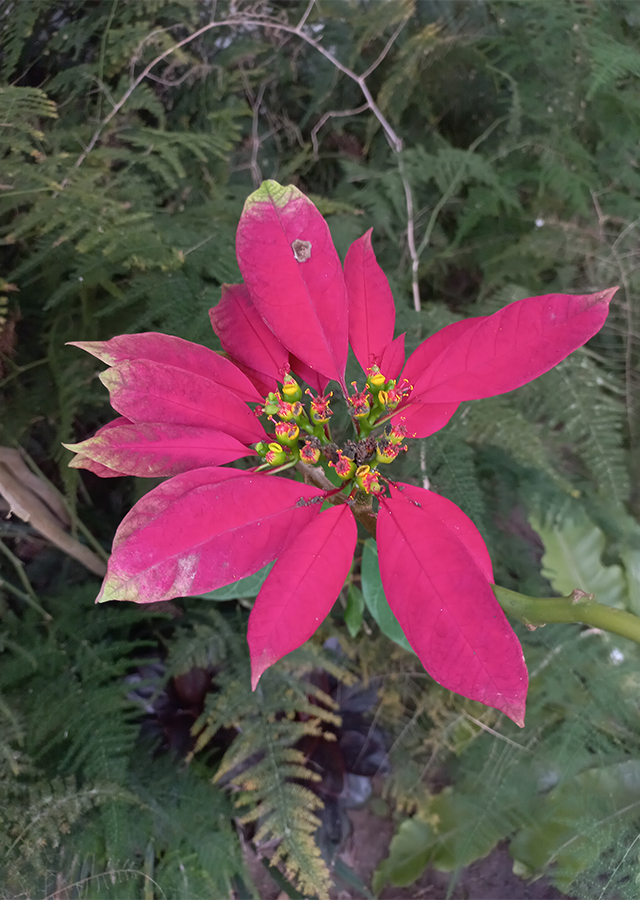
(186, 412)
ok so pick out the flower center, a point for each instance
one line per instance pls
(302, 433)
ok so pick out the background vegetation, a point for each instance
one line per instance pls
(493, 145)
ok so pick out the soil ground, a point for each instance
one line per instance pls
(490, 878)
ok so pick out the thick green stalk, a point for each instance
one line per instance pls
(578, 607)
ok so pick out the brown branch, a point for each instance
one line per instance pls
(255, 102)
(363, 512)
(411, 238)
(315, 476)
(374, 65)
(333, 113)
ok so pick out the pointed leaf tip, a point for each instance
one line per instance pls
(271, 191)
(109, 591)
(260, 665)
(99, 349)
(294, 276)
(495, 354)
(151, 450)
(372, 312)
(606, 295)
(168, 350)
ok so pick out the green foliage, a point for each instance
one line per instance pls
(88, 803)
(354, 610)
(119, 199)
(20, 111)
(82, 794)
(563, 788)
(576, 821)
(245, 587)
(375, 599)
(442, 840)
(573, 559)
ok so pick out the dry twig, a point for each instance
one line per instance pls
(33, 501)
(257, 21)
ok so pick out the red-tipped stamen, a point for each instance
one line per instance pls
(367, 480)
(320, 410)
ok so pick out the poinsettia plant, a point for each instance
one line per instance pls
(190, 413)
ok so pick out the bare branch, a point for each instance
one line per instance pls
(394, 140)
(411, 238)
(305, 15)
(392, 137)
(315, 475)
(386, 49)
(255, 103)
(334, 113)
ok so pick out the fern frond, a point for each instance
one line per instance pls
(264, 764)
(20, 110)
(611, 62)
(450, 466)
(566, 170)
(38, 815)
(499, 421)
(161, 151)
(417, 53)
(581, 406)
(13, 760)
(17, 22)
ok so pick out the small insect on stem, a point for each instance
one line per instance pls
(301, 250)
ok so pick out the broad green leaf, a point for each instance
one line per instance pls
(572, 559)
(631, 559)
(451, 838)
(409, 855)
(375, 599)
(246, 587)
(353, 612)
(459, 837)
(576, 821)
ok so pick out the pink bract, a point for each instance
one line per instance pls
(187, 412)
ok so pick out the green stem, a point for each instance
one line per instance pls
(20, 369)
(7, 586)
(282, 468)
(29, 595)
(576, 608)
